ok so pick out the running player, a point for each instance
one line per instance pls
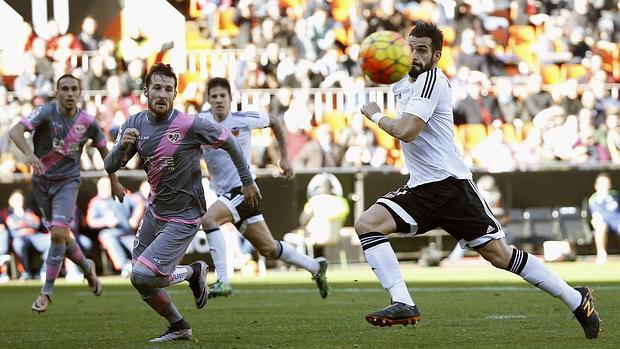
(231, 205)
(59, 131)
(440, 193)
(168, 142)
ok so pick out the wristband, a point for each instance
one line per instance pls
(376, 117)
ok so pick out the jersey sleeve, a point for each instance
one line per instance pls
(426, 93)
(97, 135)
(209, 133)
(37, 117)
(256, 119)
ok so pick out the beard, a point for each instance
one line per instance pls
(413, 73)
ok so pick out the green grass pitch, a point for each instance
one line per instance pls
(462, 307)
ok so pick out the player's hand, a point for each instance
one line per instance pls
(251, 194)
(369, 109)
(118, 191)
(37, 165)
(286, 170)
(130, 136)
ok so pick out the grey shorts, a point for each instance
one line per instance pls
(56, 199)
(160, 245)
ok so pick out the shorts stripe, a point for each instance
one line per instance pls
(401, 213)
(487, 210)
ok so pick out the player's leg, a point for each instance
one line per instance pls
(56, 254)
(63, 207)
(468, 212)
(372, 227)
(158, 248)
(579, 299)
(218, 214)
(256, 231)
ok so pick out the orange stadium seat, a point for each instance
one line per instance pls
(573, 70)
(225, 20)
(551, 74)
(449, 34)
(522, 34)
(474, 134)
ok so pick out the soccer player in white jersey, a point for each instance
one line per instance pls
(231, 205)
(440, 193)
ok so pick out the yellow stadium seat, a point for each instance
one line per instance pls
(474, 134)
(551, 74)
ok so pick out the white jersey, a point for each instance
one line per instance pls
(433, 155)
(223, 172)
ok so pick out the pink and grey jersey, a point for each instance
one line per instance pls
(170, 151)
(59, 140)
(240, 124)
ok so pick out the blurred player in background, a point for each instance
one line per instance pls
(604, 205)
(110, 218)
(232, 205)
(59, 131)
(169, 143)
(441, 193)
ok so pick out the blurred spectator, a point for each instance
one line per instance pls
(88, 37)
(537, 100)
(26, 233)
(110, 217)
(604, 206)
(570, 101)
(5, 258)
(96, 76)
(479, 106)
(320, 152)
(322, 218)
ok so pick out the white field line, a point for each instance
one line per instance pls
(312, 289)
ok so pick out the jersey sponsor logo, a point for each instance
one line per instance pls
(235, 131)
(173, 137)
(79, 129)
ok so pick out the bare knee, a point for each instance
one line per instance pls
(364, 224)
(497, 253)
(270, 251)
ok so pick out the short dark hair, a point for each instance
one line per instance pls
(429, 30)
(160, 69)
(221, 82)
(68, 76)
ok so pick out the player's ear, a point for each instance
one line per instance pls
(146, 91)
(436, 56)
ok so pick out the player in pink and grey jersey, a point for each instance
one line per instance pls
(169, 144)
(59, 131)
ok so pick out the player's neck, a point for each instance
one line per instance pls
(220, 118)
(67, 112)
(160, 117)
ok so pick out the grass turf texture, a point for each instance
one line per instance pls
(462, 307)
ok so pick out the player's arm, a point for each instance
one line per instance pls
(122, 151)
(17, 136)
(406, 128)
(118, 190)
(250, 190)
(278, 131)
(210, 133)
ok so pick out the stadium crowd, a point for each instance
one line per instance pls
(534, 82)
(530, 86)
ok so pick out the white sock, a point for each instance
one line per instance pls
(382, 259)
(289, 254)
(180, 274)
(217, 247)
(536, 273)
